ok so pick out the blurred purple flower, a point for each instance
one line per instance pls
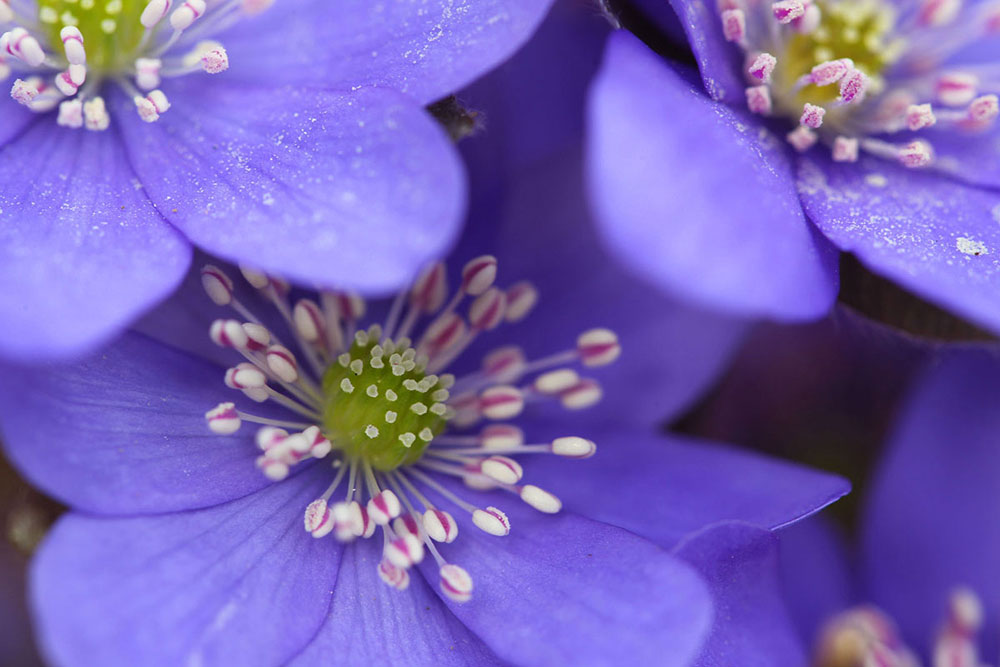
(712, 202)
(306, 137)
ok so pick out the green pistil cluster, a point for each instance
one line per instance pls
(856, 29)
(111, 29)
(381, 407)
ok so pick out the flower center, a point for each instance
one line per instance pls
(110, 28)
(380, 405)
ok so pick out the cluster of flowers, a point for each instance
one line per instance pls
(321, 381)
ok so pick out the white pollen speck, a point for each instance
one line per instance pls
(371, 431)
(426, 434)
(390, 417)
(407, 439)
(971, 247)
(419, 408)
(372, 391)
(346, 386)
(357, 366)
(390, 395)
(876, 180)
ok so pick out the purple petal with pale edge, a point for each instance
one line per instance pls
(698, 197)
(82, 251)
(816, 576)
(355, 190)
(664, 488)
(752, 627)
(567, 590)
(936, 238)
(718, 60)
(372, 624)
(124, 431)
(425, 48)
(236, 584)
(931, 519)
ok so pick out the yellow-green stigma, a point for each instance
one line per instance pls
(380, 406)
(111, 29)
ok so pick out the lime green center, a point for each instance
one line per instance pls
(857, 29)
(380, 406)
(111, 29)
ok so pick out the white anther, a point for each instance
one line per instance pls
(492, 521)
(215, 61)
(318, 519)
(845, 149)
(445, 331)
(787, 11)
(282, 363)
(503, 469)
(345, 521)
(309, 320)
(808, 23)
(759, 100)
(734, 25)
(830, 71)
(574, 447)
(70, 114)
(956, 89)
(151, 106)
(364, 527)
(147, 73)
(273, 469)
(258, 337)
(245, 376)
(24, 92)
(228, 333)
(916, 154)
(540, 499)
(350, 306)
(486, 312)
(937, 13)
(521, 298)
(430, 289)
(919, 116)
(72, 40)
(556, 382)
(762, 67)
(223, 419)
(319, 446)
(598, 347)
(585, 394)
(69, 82)
(504, 364)
(440, 526)
(6, 13)
(501, 402)
(154, 12)
(965, 611)
(801, 138)
(20, 44)
(406, 524)
(257, 279)
(501, 436)
(812, 115)
(269, 437)
(186, 14)
(479, 274)
(384, 507)
(479, 482)
(455, 582)
(394, 576)
(217, 285)
(405, 551)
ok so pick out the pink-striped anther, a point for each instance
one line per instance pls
(318, 519)
(845, 149)
(444, 332)
(258, 337)
(152, 105)
(257, 279)
(215, 61)
(734, 25)
(540, 499)
(574, 447)
(479, 274)
(502, 469)
(282, 363)
(20, 44)
(521, 298)
(455, 583)
(405, 551)
(491, 520)
(956, 89)
(95, 115)
(919, 116)
(504, 364)
(853, 86)
(801, 138)
(830, 71)
(440, 526)
(245, 376)
(501, 436)
(186, 14)
(556, 382)
(965, 612)
(598, 347)
(228, 333)
(787, 11)
(345, 521)
(274, 469)
(384, 507)
(6, 13)
(154, 12)
(69, 82)
(364, 526)
(501, 402)
(938, 12)
(812, 116)
(406, 524)
(147, 73)
(72, 40)
(269, 437)
(430, 289)
(486, 311)
(24, 92)
(70, 114)
(762, 67)
(309, 320)
(319, 446)
(223, 419)
(396, 577)
(350, 306)
(217, 285)
(983, 110)
(759, 100)
(584, 394)
(916, 154)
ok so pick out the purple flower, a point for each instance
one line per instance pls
(871, 122)
(268, 135)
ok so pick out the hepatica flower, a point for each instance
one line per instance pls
(266, 133)
(874, 120)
